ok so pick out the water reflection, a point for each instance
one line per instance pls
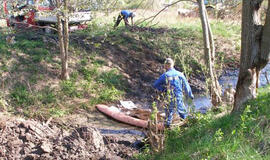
(202, 103)
(122, 131)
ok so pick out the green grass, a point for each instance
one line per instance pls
(225, 30)
(36, 92)
(176, 42)
(5, 54)
(111, 79)
(69, 88)
(35, 63)
(181, 41)
(21, 96)
(236, 136)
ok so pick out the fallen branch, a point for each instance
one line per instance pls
(48, 121)
(31, 25)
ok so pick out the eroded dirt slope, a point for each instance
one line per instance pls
(30, 139)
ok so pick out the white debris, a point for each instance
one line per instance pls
(115, 109)
(184, 12)
(162, 115)
(128, 104)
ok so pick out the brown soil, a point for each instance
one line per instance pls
(30, 139)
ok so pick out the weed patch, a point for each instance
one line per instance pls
(57, 112)
(242, 135)
(47, 95)
(4, 48)
(69, 89)
(21, 96)
(111, 79)
(88, 73)
(109, 94)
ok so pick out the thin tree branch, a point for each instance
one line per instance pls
(154, 16)
(36, 26)
(139, 4)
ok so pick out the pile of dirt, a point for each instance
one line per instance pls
(29, 139)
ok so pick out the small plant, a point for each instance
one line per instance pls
(47, 95)
(110, 94)
(4, 48)
(156, 137)
(4, 68)
(246, 118)
(99, 62)
(84, 106)
(69, 88)
(27, 45)
(21, 96)
(39, 54)
(84, 62)
(153, 115)
(74, 76)
(106, 94)
(111, 79)
(219, 135)
(88, 73)
(57, 112)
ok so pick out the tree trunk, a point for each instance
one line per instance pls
(65, 73)
(63, 37)
(209, 52)
(265, 47)
(254, 51)
(216, 97)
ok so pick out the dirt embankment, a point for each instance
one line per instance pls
(141, 63)
(29, 139)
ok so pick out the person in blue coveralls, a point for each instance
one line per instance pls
(173, 82)
(124, 14)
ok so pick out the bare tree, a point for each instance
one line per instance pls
(255, 51)
(64, 9)
(209, 58)
(63, 35)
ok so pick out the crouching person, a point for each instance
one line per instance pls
(124, 15)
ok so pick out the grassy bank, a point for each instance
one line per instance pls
(31, 84)
(237, 136)
(105, 65)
